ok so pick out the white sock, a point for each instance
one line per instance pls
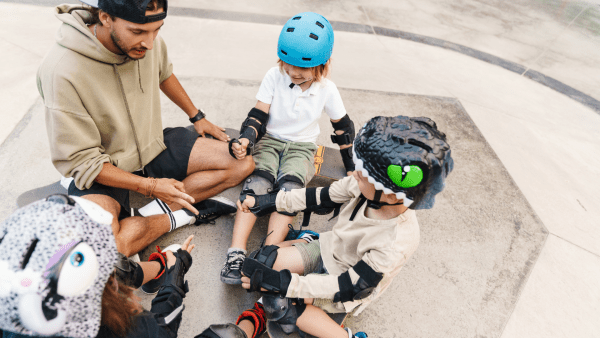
(230, 250)
(156, 207)
(178, 218)
(182, 218)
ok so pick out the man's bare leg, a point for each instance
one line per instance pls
(211, 169)
(132, 234)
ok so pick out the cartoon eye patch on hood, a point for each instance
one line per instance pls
(58, 256)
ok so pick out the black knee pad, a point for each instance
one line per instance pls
(283, 312)
(222, 331)
(287, 183)
(259, 183)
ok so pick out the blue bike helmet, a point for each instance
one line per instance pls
(306, 40)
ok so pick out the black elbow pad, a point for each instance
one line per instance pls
(347, 126)
(257, 119)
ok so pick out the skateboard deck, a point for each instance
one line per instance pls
(275, 332)
(328, 168)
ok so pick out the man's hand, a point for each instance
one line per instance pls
(239, 150)
(170, 191)
(349, 173)
(171, 259)
(248, 203)
(206, 127)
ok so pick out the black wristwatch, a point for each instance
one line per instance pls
(198, 116)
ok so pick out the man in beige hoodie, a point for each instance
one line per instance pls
(100, 83)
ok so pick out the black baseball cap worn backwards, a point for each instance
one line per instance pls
(130, 10)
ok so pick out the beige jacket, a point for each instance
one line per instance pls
(385, 245)
(100, 107)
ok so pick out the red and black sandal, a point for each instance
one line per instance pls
(257, 316)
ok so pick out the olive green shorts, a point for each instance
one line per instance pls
(282, 158)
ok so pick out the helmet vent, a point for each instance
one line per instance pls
(297, 18)
(291, 29)
(420, 145)
(29, 253)
(306, 59)
(283, 52)
(319, 24)
(314, 36)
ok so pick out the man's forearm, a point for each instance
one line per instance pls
(119, 178)
(175, 92)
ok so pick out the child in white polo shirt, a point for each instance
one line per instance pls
(285, 120)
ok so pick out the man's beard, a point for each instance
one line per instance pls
(116, 40)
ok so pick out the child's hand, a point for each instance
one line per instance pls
(239, 149)
(246, 283)
(248, 203)
(171, 260)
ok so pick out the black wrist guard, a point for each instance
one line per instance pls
(263, 276)
(364, 287)
(257, 119)
(263, 204)
(176, 273)
(249, 148)
(347, 158)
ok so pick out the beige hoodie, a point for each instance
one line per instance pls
(385, 245)
(100, 107)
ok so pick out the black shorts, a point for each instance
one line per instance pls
(170, 163)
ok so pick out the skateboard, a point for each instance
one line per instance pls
(275, 332)
(328, 168)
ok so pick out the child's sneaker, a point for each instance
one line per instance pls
(307, 235)
(231, 273)
(212, 208)
(257, 316)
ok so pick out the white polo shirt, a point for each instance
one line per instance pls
(294, 115)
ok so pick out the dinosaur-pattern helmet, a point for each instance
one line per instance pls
(57, 255)
(404, 155)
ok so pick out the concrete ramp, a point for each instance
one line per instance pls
(478, 245)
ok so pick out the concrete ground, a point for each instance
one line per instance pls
(511, 248)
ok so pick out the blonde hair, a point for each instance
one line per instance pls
(318, 72)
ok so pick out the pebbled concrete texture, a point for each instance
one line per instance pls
(478, 244)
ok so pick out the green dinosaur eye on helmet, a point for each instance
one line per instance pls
(407, 177)
(407, 156)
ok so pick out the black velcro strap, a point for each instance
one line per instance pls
(341, 139)
(231, 148)
(346, 287)
(259, 115)
(311, 197)
(265, 255)
(367, 273)
(362, 200)
(256, 280)
(344, 123)
(347, 158)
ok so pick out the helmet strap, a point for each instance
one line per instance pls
(376, 203)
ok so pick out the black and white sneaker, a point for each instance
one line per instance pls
(231, 273)
(212, 208)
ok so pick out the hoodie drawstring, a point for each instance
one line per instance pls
(137, 143)
(140, 76)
